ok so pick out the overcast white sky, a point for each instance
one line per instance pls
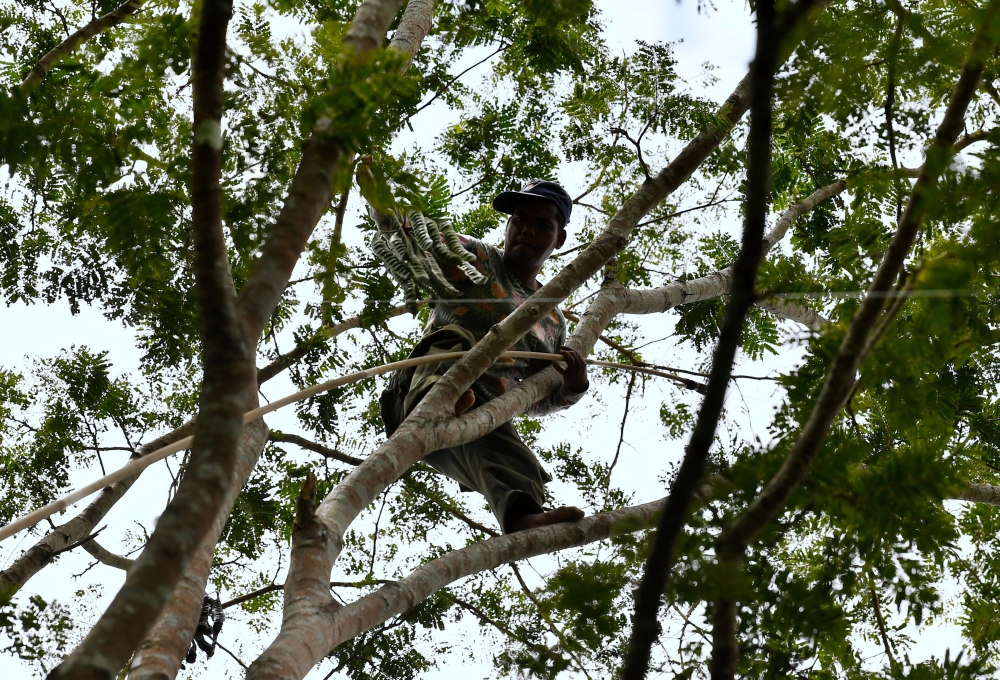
(722, 38)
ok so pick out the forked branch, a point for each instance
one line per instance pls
(840, 377)
(337, 623)
(227, 386)
(164, 648)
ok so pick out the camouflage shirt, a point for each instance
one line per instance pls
(481, 306)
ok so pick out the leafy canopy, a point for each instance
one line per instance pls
(95, 209)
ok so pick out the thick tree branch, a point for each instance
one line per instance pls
(113, 18)
(161, 652)
(413, 28)
(164, 648)
(783, 309)
(842, 372)
(337, 623)
(227, 387)
(107, 557)
(742, 295)
(736, 536)
(719, 283)
(304, 588)
(981, 493)
(310, 193)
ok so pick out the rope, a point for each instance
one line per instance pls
(135, 467)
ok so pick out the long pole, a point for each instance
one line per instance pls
(137, 466)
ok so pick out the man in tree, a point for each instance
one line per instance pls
(499, 465)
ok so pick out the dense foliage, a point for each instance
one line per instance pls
(95, 209)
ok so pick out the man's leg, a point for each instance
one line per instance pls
(507, 474)
(498, 465)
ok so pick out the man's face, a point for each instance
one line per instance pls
(533, 232)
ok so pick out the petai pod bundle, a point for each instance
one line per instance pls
(414, 247)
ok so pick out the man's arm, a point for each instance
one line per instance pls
(574, 386)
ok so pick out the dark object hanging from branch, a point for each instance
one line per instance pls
(209, 625)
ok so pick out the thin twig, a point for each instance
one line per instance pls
(621, 433)
(325, 451)
(444, 88)
(72, 42)
(678, 213)
(890, 101)
(877, 607)
(235, 658)
(80, 542)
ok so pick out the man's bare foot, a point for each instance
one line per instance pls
(465, 402)
(566, 513)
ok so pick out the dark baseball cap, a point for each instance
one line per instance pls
(552, 192)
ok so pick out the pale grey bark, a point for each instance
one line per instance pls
(783, 309)
(413, 28)
(981, 493)
(106, 557)
(368, 27)
(342, 623)
(719, 283)
(801, 208)
(335, 623)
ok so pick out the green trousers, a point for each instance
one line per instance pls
(497, 465)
